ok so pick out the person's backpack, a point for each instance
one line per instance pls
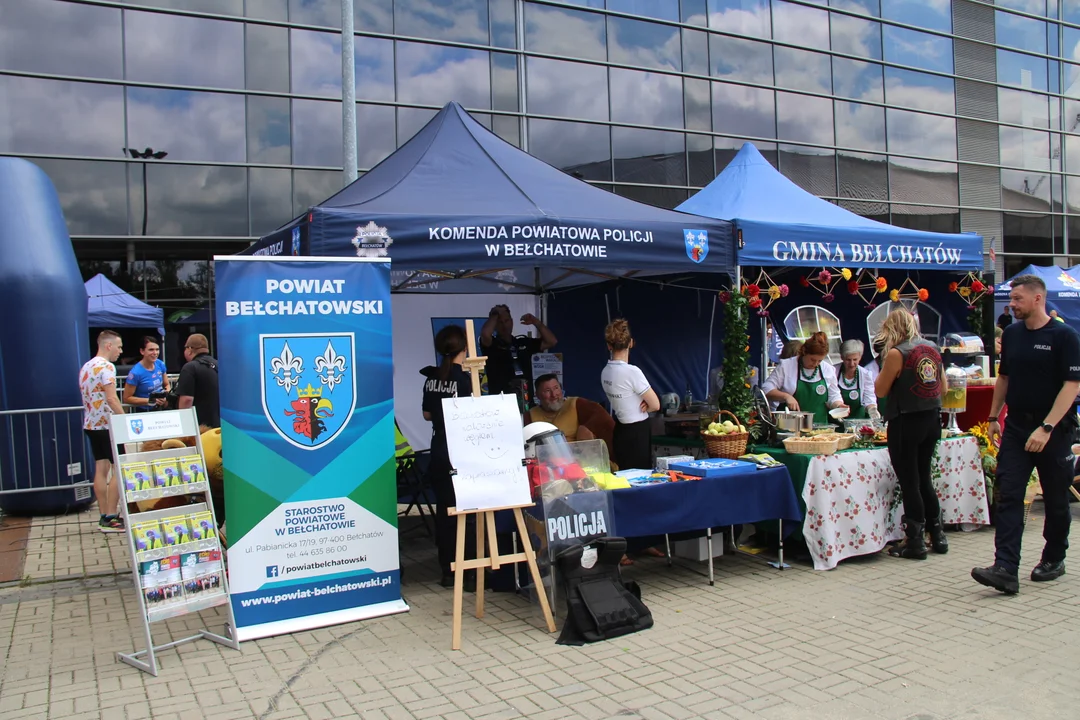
(600, 605)
(172, 400)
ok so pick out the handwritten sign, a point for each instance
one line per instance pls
(483, 435)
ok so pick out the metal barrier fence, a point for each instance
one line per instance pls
(45, 450)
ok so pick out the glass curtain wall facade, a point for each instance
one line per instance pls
(929, 114)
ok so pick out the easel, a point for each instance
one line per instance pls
(485, 526)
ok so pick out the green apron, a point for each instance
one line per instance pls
(813, 396)
(852, 396)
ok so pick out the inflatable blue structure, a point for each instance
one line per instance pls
(42, 346)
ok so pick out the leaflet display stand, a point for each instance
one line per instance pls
(176, 556)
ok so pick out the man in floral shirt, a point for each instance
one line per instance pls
(97, 382)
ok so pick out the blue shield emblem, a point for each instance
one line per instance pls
(308, 385)
(137, 427)
(295, 250)
(697, 244)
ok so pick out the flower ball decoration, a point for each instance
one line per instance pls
(763, 292)
(971, 289)
(908, 290)
(868, 286)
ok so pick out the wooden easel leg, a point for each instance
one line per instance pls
(480, 571)
(459, 580)
(530, 558)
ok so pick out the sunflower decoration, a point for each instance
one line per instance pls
(867, 286)
(971, 289)
(763, 292)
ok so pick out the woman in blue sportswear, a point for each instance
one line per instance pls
(147, 376)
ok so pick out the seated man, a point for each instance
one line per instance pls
(578, 418)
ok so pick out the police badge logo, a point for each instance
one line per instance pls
(697, 244)
(372, 241)
(308, 385)
(136, 427)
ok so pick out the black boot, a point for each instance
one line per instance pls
(938, 541)
(914, 547)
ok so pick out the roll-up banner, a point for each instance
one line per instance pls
(307, 434)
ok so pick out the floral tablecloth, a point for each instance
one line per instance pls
(853, 503)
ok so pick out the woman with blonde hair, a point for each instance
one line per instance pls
(805, 381)
(631, 398)
(912, 378)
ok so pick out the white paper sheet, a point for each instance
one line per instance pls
(483, 435)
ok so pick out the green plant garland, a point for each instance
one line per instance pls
(735, 395)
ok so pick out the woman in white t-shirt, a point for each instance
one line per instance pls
(631, 398)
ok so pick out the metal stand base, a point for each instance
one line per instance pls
(952, 428)
(150, 666)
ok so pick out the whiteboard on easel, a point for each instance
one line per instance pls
(483, 435)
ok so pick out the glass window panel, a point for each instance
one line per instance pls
(743, 60)
(874, 210)
(699, 158)
(801, 118)
(907, 88)
(560, 31)
(923, 181)
(60, 117)
(504, 82)
(60, 38)
(325, 13)
(316, 131)
(659, 9)
(566, 89)
(436, 74)
(1024, 71)
(93, 195)
(1053, 71)
(802, 70)
(1035, 7)
(744, 111)
(311, 187)
(221, 7)
(1028, 234)
(646, 98)
(646, 44)
(269, 10)
(1072, 155)
(188, 125)
(862, 176)
(725, 149)
(920, 13)
(858, 80)
(374, 68)
(1024, 108)
(1025, 190)
(508, 128)
(503, 18)
(695, 12)
(855, 36)
(190, 199)
(376, 134)
(800, 25)
(411, 120)
(868, 7)
(373, 15)
(917, 49)
(315, 63)
(580, 149)
(1020, 32)
(913, 133)
(742, 17)
(698, 104)
(695, 52)
(266, 52)
(269, 187)
(926, 217)
(599, 4)
(860, 126)
(811, 169)
(268, 130)
(661, 197)
(184, 50)
(1028, 149)
(649, 157)
(459, 20)
(1070, 43)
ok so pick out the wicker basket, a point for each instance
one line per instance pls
(729, 446)
(810, 446)
(844, 441)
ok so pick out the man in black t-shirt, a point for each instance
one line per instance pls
(1004, 319)
(198, 383)
(1038, 382)
(509, 358)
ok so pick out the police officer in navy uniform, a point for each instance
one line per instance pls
(509, 357)
(1038, 381)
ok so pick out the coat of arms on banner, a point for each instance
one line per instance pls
(697, 244)
(372, 241)
(308, 385)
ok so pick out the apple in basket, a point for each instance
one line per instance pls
(725, 428)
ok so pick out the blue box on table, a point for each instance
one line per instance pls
(713, 467)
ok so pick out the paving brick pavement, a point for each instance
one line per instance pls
(877, 638)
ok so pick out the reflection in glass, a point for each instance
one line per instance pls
(60, 117)
(266, 58)
(315, 63)
(912, 133)
(325, 13)
(699, 158)
(800, 25)
(504, 82)
(1025, 71)
(917, 49)
(744, 111)
(802, 70)
(375, 134)
(862, 176)
(1025, 148)
(860, 126)
(372, 16)
(188, 125)
(698, 104)
(411, 120)
(93, 195)
(503, 23)
(646, 98)
(659, 9)
(662, 197)
(801, 118)
(508, 128)
(191, 199)
(316, 131)
(694, 12)
(743, 60)
(374, 68)
(566, 89)
(869, 7)
(60, 38)
(269, 10)
(268, 187)
(1028, 234)
(695, 52)
(907, 88)
(1025, 190)
(1024, 108)
(580, 149)
(559, 31)
(742, 17)
(725, 149)
(436, 74)
(183, 50)
(858, 80)
(459, 20)
(923, 181)
(926, 217)
(646, 44)
(856, 36)
(311, 187)
(1020, 32)
(649, 157)
(932, 15)
(268, 130)
(812, 169)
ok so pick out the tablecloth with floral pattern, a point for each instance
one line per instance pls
(853, 499)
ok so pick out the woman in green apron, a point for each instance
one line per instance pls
(855, 382)
(806, 382)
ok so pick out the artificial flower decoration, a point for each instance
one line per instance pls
(827, 297)
(924, 294)
(977, 286)
(755, 301)
(894, 295)
(953, 286)
(784, 290)
(853, 287)
(804, 282)
(845, 273)
(824, 277)
(752, 290)
(764, 290)
(868, 285)
(725, 297)
(971, 289)
(762, 312)
(774, 292)
(882, 284)
(964, 292)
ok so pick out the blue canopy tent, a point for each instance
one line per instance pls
(109, 306)
(1062, 291)
(456, 202)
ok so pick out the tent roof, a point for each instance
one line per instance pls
(1062, 291)
(781, 224)
(458, 196)
(109, 306)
